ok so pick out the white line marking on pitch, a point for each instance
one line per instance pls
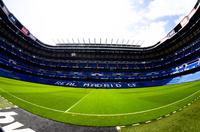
(137, 124)
(78, 102)
(174, 112)
(159, 118)
(83, 114)
(148, 122)
(30, 102)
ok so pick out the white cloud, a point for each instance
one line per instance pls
(141, 1)
(159, 8)
(152, 32)
(60, 19)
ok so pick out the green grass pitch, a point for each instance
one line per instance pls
(98, 107)
(187, 120)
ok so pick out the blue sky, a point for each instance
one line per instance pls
(54, 21)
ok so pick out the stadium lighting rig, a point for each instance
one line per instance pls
(99, 41)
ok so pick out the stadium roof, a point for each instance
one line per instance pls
(141, 22)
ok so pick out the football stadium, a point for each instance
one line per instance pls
(99, 87)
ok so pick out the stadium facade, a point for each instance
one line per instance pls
(174, 59)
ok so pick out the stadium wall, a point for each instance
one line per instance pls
(83, 84)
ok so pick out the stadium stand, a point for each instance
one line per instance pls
(174, 59)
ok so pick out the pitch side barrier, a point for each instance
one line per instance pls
(83, 84)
